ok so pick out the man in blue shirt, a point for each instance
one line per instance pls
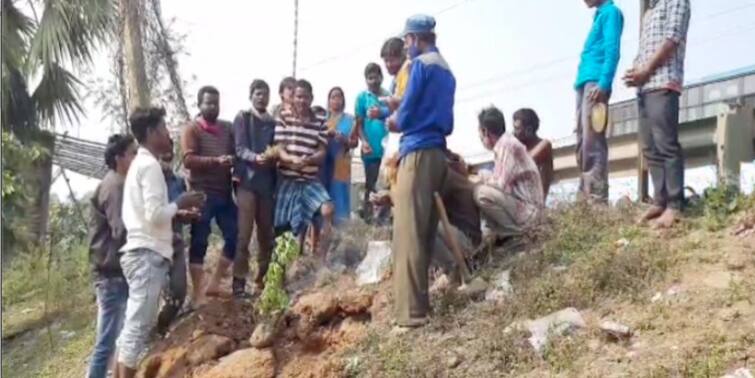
(424, 119)
(597, 68)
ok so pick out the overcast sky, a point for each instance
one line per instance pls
(511, 53)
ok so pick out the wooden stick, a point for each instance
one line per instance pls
(450, 238)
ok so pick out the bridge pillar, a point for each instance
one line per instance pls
(734, 145)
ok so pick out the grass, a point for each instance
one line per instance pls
(48, 313)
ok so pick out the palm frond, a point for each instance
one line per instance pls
(57, 96)
(17, 29)
(70, 30)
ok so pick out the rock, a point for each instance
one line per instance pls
(739, 373)
(502, 288)
(355, 302)
(197, 334)
(475, 289)
(263, 335)
(622, 243)
(207, 348)
(453, 361)
(718, 280)
(441, 284)
(615, 330)
(558, 323)
(559, 268)
(65, 335)
(624, 202)
(316, 307)
(674, 290)
(375, 263)
(245, 363)
(171, 363)
(657, 297)
(729, 314)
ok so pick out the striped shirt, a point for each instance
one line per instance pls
(664, 20)
(200, 149)
(299, 137)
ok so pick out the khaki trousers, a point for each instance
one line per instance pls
(415, 223)
(253, 209)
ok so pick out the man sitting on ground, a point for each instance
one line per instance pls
(526, 123)
(511, 196)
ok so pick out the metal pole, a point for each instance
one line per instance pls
(296, 35)
(643, 186)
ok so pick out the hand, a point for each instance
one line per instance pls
(475, 179)
(366, 149)
(636, 77)
(392, 102)
(225, 161)
(190, 200)
(392, 124)
(261, 159)
(297, 162)
(331, 133)
(597, 96)
(188, 215)
(381, 198)
(373, 112)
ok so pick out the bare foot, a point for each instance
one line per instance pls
(667, 219)
(653, 212)
(213, 289)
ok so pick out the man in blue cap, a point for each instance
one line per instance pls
(424, 118)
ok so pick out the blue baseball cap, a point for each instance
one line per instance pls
(419, 23)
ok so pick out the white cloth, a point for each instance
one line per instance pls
(147, 214)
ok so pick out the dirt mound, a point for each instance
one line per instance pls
(214, 341)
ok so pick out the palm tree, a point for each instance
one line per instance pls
(38, 50)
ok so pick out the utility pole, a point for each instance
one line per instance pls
(643, 186)
(296, 35)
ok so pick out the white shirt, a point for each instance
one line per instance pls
(146, 213)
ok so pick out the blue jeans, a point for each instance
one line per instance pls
(223, 210)
(146, 272)
(112, 294)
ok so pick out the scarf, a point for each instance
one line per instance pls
(212, 128)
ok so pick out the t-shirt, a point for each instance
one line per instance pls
(374, 129)
(300, 137)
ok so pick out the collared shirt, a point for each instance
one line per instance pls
(253, 133)
(425, 116)
(664, 20)
(300, 137)
(602, 49)
(374, 128)
(147, 214)
(516, 174)
(106, 230)
(401, 80)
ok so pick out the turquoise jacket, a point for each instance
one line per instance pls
(602, 50)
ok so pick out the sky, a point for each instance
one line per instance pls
(510, 53)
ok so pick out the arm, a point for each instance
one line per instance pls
(612, 29)
(190, 148)
(319, 156)
(542, 154)
(360, 113)
(411, 96)
(113, 204)
(156, 209)
(241, 138)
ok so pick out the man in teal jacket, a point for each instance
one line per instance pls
(597, 68)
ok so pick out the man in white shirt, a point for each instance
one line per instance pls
(148, 216)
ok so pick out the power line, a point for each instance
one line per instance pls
(296, 35)
(361, 47)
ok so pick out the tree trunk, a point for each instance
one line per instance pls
(138, 86)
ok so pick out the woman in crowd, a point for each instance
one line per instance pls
(336, 171)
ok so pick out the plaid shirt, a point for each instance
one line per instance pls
(664, 19)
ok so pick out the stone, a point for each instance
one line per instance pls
(316, 307)
(718, 280)
(209, 347)
(502, 288)
(453, 361)
(615, 331)
(559, 323)
(657, 297)
(729, 314)
(245, 363)
(475, 289)
(355, 302)
(170, 363)
(375, 264)
(263, 335)
(560, 268)
(739, 373)
(622, 243)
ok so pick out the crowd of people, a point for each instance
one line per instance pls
(289, 169)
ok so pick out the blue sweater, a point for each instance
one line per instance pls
(425, 116)
(602, 50)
